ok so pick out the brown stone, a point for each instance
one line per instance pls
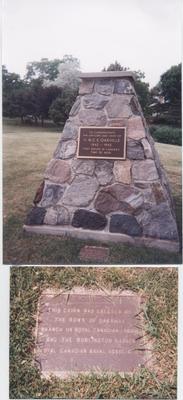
(118, 197)
(94, 253)
(135, 128)
(39, 193)
(58, 171)
(122, 171)
(88, 330)
(106, 203)
(158, 193)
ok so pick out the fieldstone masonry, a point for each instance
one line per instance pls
(106, 199)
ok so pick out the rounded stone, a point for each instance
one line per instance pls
(63, 216)
(58, 171)
(70, 131)
(81, 191)
(125, 224)
(118, 197)
(135, 150)
(123, 86)
(122, 171)
(104, 171)
(86, 86)
(104, 86)
(36, 216)
(106, 203)
(52, 194)
(67, 149)
(83, 166)
(88, 220)
(50, 217)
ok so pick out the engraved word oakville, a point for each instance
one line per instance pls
(102, 142)
(86, 331)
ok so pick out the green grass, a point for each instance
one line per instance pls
(158, 285)
(27, 150)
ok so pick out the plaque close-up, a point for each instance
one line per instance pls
(102, 142)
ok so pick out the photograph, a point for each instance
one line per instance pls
(91, 271)
(92, 133)
(93, 333)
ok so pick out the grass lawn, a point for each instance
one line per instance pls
(158, 285)
(27, 150)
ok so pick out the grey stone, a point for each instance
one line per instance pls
(63, 217)
(92, 117)
(58, 171)
(81, 192)
(135, 106)
(147, 148)
(122, 171)
(76, 106)
(67, 149)
(104, 86)
(36, 216)
(119, 107)
(86, 86)
(159, 223)
(104, 171)
(126, 224)
(83, 166)
(88, 220)
(50, 217)
(123, 86)
(95, 100)
(135, 150)
(144, 171)
(70, 131)
(52, 194)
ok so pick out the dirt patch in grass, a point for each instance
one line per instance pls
(158, 285)
(26, 153)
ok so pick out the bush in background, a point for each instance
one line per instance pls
(166, 134)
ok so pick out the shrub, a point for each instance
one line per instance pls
(166, 134)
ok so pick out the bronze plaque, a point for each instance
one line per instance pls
(102, 142)
(89, 331)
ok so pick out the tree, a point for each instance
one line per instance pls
(169, 89)
(43, 69)
(60, 107)
(170, 84)
(142, 88)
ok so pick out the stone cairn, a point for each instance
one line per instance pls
(107, 200)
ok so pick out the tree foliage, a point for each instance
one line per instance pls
(170, 84)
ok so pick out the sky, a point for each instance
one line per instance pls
(140, 34)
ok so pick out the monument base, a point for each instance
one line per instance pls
(103, 236)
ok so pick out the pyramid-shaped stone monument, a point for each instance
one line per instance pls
(105, 180)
